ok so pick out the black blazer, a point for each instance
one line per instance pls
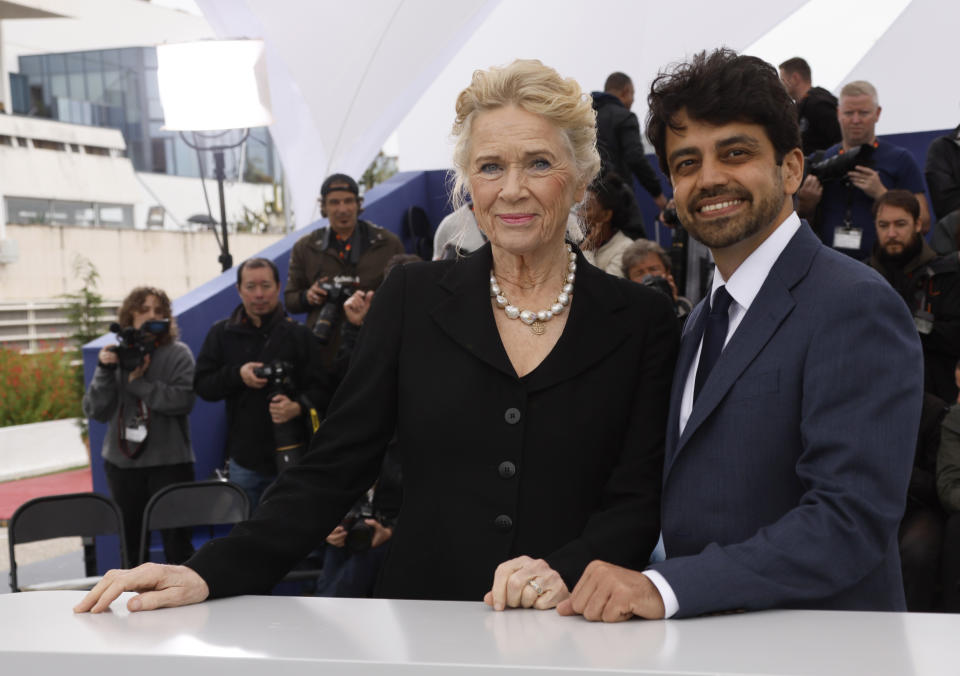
(563, 464)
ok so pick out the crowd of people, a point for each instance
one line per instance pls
(519, 421)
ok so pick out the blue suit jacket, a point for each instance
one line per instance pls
(789, 481)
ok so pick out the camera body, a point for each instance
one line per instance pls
(359, 533)
(289, 438)
(338, 291)
(835, 168)
(133, 345)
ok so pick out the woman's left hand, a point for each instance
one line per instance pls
(526, 583)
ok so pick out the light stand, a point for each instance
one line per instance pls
(210, 88)
(225, 259)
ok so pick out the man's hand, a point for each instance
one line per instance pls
(140, 370)
(108, 355)
(613, 594)
(250, 380)
(355, 308)
(283, 409)
(512, 589)
(867, 180)
(159, 587)
(316, 294)
(808, 197)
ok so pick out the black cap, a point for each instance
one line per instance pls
(339, 182)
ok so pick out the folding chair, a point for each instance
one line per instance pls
(86, 515)
(194, 503)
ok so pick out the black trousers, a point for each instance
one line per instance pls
(132, 488)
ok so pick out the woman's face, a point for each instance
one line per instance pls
(522, 180)
(594, 214)
(149, 310)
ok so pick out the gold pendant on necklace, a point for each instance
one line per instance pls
(538, 328)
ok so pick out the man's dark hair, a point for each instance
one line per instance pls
(903, 199)
(616, 82)
(797, 65)
(254, 263)
(718, 88)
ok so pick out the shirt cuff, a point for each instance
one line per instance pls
(670, 604)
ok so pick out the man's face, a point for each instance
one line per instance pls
(259, 291)
(626, 96)
(150, 310)
(858, 117)
(342, 208)
(651, 264)
(727, 184)
(896, 229)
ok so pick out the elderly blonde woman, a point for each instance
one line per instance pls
(528, 391)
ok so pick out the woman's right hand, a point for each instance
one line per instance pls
(107, 355)
(160, 586)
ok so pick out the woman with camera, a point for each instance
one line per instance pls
(143, 389)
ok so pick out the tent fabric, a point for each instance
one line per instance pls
(344, 76)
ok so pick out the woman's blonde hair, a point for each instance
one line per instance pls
(535, 88)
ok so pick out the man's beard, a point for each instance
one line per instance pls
(759, 214)
(904, 256)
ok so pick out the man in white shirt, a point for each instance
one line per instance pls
(797, 393)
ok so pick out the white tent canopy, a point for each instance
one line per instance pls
(344, 76)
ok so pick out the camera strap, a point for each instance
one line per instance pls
(136, 431)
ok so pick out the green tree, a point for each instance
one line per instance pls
(382, 168)
(84, 311)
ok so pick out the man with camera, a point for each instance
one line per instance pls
(929, 284)
(646, 262)
(838, 194)
(265, 366)
(329, 264)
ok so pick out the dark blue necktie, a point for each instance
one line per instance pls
(714, 335)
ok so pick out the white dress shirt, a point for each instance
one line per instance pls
(743, 286)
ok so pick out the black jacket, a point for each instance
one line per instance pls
(235, 341)
(943, 174)
(563, 464)
(931, 283)
(618, 140)
(819, 126)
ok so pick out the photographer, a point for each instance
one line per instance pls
(647, 263)
(236, 363)
(143, 390)
(349, 248)
(841, 208)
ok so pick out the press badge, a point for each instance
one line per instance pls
(847, 238)
(923, 321)
(136, 434)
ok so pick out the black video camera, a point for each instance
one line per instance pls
(341, 288)
(836, 167)
(289, 438)
(133, 345)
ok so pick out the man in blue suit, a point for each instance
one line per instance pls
(797, 394)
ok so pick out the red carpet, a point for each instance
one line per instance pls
(15, 493)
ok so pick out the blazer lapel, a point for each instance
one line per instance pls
(591, 332)
(593, 329)
(772, 305)
(466, 314)
(692, 333)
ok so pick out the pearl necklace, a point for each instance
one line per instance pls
(536, 320)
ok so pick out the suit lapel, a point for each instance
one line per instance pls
(593, 328)
(772, 305)
(692, 333)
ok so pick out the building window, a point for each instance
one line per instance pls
(22, 142)
(31, 211)
(97, 150)
(48, 145)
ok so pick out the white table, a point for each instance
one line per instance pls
(280, 636)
